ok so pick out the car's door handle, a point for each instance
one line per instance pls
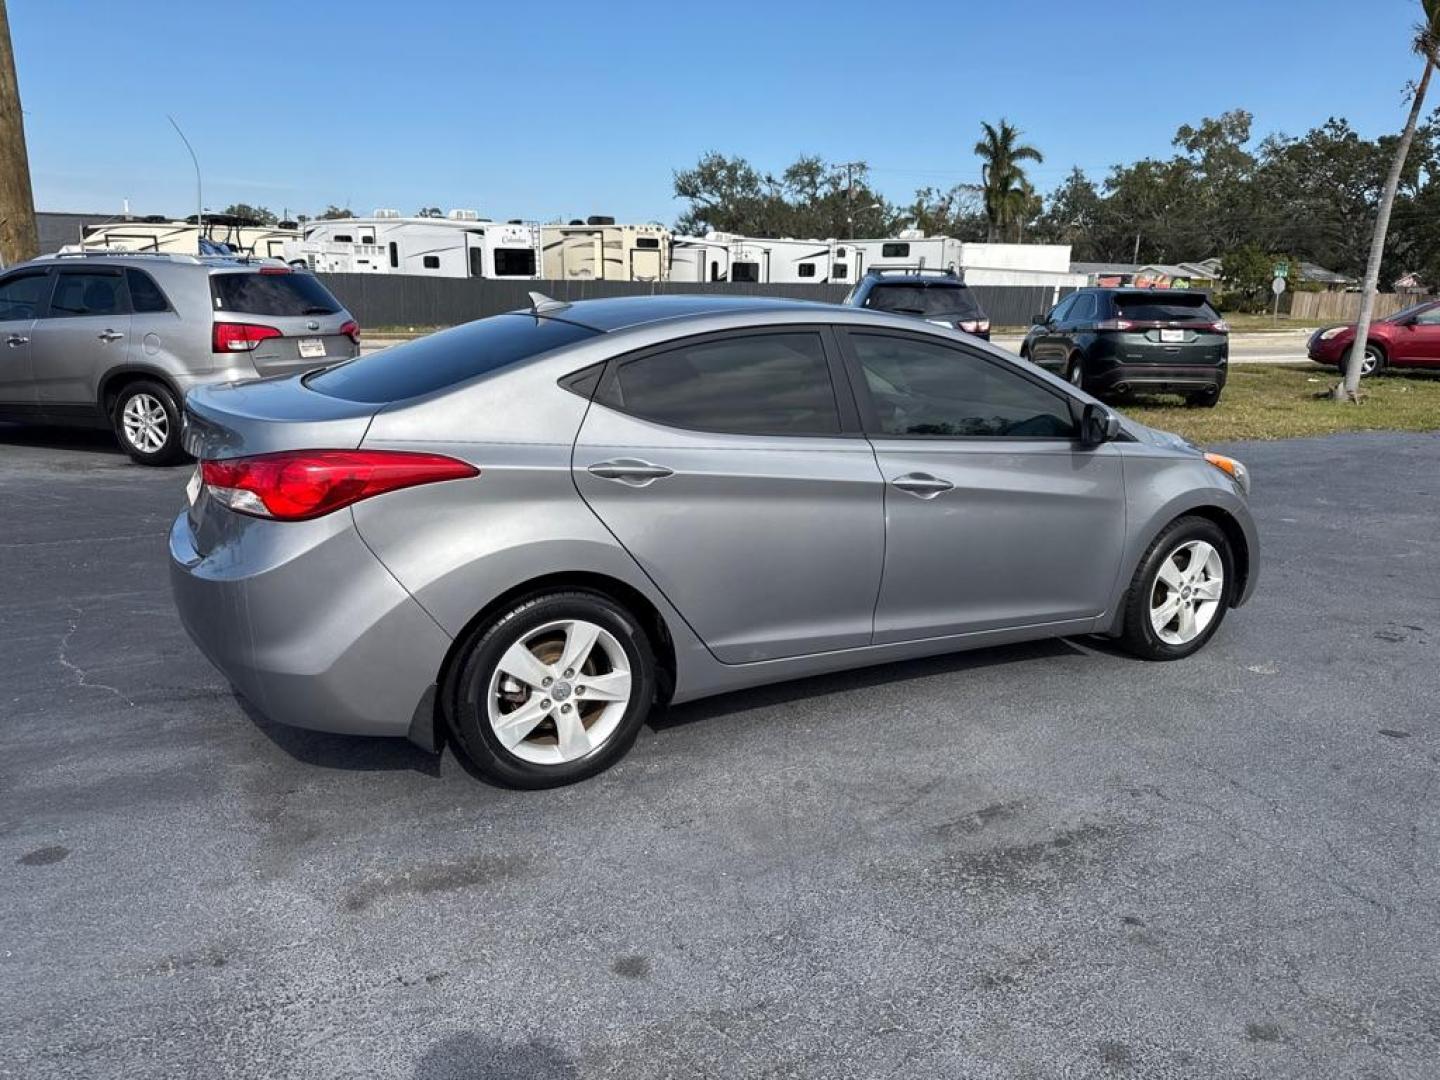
(631, 471)
(109, 335)
(921, 485)
(15, 341)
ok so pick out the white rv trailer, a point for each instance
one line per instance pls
(700, 258)
(461, 244)
(600, 250)
(912, 249)
(804, 262)
(183, 237)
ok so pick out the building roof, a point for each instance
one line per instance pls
(1104, 268)
(58, 229)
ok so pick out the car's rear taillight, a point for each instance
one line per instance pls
(351, 329)
(239, 337)
(296, 485)
(1220, 326)
(1115, 324)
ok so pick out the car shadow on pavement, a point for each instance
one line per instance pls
(91, 440)
(862, 678)
(352, 753)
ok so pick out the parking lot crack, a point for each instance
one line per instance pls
(82, 677)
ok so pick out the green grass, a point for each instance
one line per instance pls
(1280, 402)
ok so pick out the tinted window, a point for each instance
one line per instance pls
(647, 242)
(87, 294)
(343, 238)
(279, 294)
(21, 296)
(924, 389)
(145, 295)
(430, 262)
(440, 360)
(758, 384)
(1158, 307)
(394, 254)
(1084, 308)
(744, 271)
(477, 262)
(839, 271)
(1062, 309)
(894, 251)
(927, 300)
(807, 270)
(514, 262)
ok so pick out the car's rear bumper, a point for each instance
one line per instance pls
(307, 624)
(1156, 378)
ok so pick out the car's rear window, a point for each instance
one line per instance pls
(275, 294)
(1145, 307)
(925, 300)
(445, 359)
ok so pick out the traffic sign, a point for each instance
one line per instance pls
(1282, 270)
(1278, 285)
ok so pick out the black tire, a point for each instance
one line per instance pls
(1138, 636)
(1075, 371)
(168, 452)
(1371, 351)
(1203, 399)
(468, 712)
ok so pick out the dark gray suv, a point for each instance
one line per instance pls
(114, 340)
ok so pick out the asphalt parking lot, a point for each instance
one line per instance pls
(1036, 861)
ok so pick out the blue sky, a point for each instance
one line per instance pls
(555, 109)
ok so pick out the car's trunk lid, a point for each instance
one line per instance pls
(309, 323)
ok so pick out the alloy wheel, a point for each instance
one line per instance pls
(1185, 596)
(145, 422)
(559, 693)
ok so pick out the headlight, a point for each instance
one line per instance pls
(1232, 468)
(1334, 331)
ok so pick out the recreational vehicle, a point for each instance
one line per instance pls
(461, 244)
(805, 262)
(700, 258)
(184, 237)
(912, 249)
(600, 250)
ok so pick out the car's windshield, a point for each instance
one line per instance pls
(1158, 307)
(926, 300)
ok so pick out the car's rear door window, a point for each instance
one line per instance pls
(145, 295)
(278, 294)
(449, 358)
(750, 384)
(88, 292)
(920, 388)
(1158, 307)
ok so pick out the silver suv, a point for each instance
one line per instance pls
(110, 339)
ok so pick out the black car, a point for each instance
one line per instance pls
(937, 296)
(1119, 341)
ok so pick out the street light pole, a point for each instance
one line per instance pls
(199, 196)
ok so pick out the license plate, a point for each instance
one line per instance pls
(1165, 335)
(311, 348)
(192, 489)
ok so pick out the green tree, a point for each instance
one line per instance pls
(258, 214)
(1427, 45)
(430, 212)
(1008, 194)
(334, 213)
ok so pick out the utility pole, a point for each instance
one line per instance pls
(850, 167)
(18, 239)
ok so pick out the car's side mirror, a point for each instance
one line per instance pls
(1042, 320)
(1098, 425)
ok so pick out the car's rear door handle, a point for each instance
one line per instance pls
(631, 471)
(110, 335)
(921, 485)
(16, 340)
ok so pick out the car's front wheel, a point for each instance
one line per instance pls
(553, 690)
(1180, 591)
(1075, 371)
(147, 423)
(1372, 364)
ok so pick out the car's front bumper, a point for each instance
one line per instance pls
(305, 622)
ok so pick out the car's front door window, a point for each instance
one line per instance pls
(922, 389)
(22, 296)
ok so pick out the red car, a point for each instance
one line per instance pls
(1409, 338)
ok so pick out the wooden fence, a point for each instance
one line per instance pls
(1323, 307)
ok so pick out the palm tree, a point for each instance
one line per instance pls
(1427, 44)
(1007, 190)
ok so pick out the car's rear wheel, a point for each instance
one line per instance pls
(147, 423)
(1075, 371)
(1180, 592)
(553, 690)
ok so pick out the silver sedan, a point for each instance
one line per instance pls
(524, 534)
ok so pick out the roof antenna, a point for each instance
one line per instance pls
(540, 303)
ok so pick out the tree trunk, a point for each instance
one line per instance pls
(1349, 388)
(18, 240)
